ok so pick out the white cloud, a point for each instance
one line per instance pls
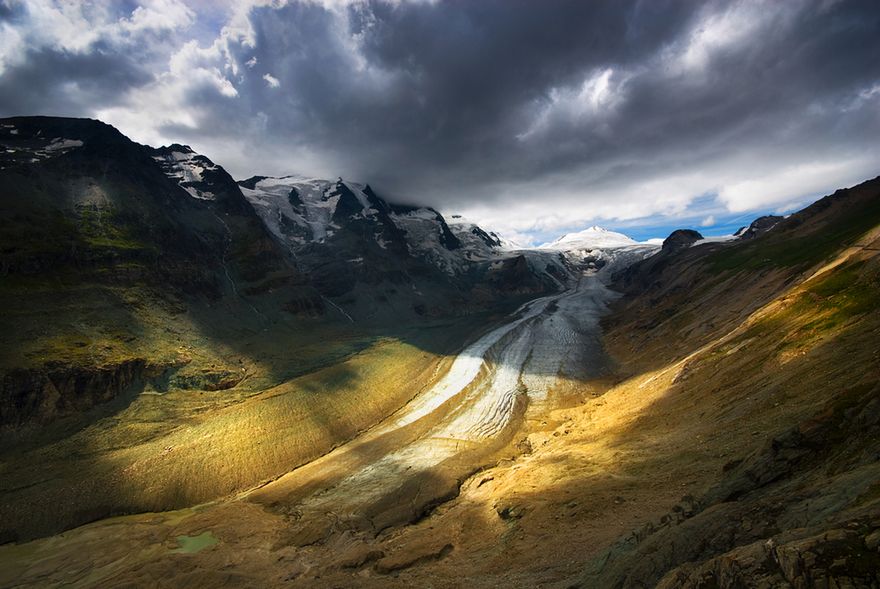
(75, 27)
(763, 188)
(598, 94)
(167, 100)
(718, 32)
(10, 46)
(742, 186)
(271, 81)
(708, 221)
(158, 15)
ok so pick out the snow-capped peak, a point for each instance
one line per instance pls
(590, 238)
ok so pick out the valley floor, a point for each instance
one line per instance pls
(393, 474)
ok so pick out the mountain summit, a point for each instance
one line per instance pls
(590, 238)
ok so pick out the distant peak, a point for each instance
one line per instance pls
(589, 238)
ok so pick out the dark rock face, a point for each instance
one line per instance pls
(759, 226)
(488, 238)
(447, 238)
(43, 395)
(680, 239)
(516, 276)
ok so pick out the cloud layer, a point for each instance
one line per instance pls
(535, 117)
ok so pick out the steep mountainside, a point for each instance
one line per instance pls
(96, 243)
(766, 350)
(378, 259)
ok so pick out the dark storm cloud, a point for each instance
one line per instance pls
(590, 109)
(441, 100)
(437, 85)
(65, 83)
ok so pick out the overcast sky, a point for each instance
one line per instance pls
(532, 117)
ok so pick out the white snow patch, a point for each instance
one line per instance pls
(187, 168)
(271, 196)
(55, 147)
(62, 145)
(715, 239)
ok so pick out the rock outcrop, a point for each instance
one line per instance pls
(680, 239)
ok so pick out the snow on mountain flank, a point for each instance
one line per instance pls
(477, 238)
(300, 210)
(188, 168)
(295, 208)
(18, 149)
(715, 239)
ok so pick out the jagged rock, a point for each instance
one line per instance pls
(872, 540)
(359, 556)
(45, 394)
(509, 512)
(759, 226)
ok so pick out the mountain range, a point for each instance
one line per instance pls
(293, 381)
